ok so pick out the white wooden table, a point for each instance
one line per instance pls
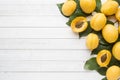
(36, 44)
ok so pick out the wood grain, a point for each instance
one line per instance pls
(29, 10)
(50, 76)
(44, 55)
(75, 44)
(38, 33)
(33, 21)
(36, 44)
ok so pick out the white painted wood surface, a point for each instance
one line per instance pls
(36, 44)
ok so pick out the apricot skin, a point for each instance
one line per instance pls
(92, 41)
(88, 6)
(98, 21)
(69, 7)
(109, 7)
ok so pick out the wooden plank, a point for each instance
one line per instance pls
(48, 55)
(33, 21)
(38, 33)
(29, 10)
(32, 65)
(51, 76)
(36, 44)
(45, 44)
(30, 2)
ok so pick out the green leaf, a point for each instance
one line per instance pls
(60, 8)
(102, 70)
(110, 22)
(78, 12)
(114, 62)
(118, 39)
(98, 5)
(91, 64)
(118, 1)
(101, 47)
(70, 20)
(102, 40)
(87, 31)
(104, 78)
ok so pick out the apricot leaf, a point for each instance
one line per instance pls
(104, 78)
(91, 64)
(60, 8)
(101, 47)
(86, 32)
(78, 12)
(118, 1)
(102, 70)
(98, 5)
